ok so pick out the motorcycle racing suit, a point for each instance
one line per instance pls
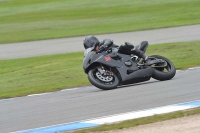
(126, 48)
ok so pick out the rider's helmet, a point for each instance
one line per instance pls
(90, 41)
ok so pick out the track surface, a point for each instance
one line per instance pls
(56, 46)
(89, 102)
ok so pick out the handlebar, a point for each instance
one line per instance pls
(105, 44)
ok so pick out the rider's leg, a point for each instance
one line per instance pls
(139, 53)
(136, 51)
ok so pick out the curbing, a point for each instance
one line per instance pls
(114, 118)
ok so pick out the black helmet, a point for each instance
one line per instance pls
(90, 41)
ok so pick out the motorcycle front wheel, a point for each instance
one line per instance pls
(164, 73)
(104, 82)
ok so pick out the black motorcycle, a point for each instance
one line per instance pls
(109, 67)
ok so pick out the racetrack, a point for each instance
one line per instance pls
(57, 46)
(89, 102)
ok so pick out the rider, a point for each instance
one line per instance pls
(126, 48)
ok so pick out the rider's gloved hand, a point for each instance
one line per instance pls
(106, 43)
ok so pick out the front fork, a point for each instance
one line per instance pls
(104, 72)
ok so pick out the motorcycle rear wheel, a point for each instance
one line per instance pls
(100, 83)
(165, 73)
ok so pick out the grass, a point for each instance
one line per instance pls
(19, 77)
(141, 121)
(27, 20)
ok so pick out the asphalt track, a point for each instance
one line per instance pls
(65, 106)
(57, 46)
(89, 102)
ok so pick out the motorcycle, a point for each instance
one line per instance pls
(108, 68)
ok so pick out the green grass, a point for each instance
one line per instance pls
(27, 20)
(19, 77)
(141, 121)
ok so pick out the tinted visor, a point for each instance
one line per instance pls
(86, 46)
(90, 41)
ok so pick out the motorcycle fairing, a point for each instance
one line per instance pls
(92, 58)
(137, 75)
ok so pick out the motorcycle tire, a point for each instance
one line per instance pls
(159, 74)
(96, 82)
